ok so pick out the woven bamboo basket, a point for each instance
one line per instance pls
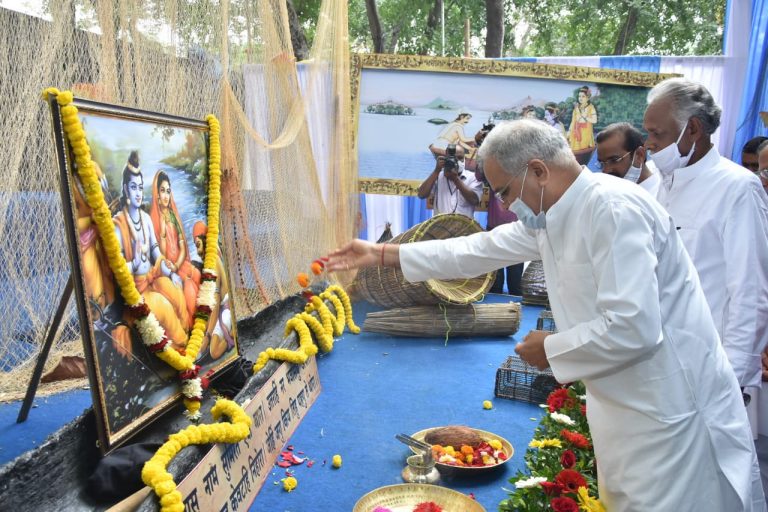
(387, 287)
(450, 320)
(533, 285)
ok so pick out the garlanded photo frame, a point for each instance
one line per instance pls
(141, 200)
(408, 108)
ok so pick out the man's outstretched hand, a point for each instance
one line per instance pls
(356, 254)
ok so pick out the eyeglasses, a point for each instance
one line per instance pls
(611, 161)
(503, 192)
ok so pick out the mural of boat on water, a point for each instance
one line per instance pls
(428, 109)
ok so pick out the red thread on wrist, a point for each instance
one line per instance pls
(384, 246)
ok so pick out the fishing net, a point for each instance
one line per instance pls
(290, 193)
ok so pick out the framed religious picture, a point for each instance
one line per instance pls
(141, 194)
(408, 109)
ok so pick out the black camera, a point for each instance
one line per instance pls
(483, 133)
(451, 164)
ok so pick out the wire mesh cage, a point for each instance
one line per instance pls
(518, 380)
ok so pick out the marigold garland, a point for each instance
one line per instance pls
(152, 333)
(304, 324)
(154, 472)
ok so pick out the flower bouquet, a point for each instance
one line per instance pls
(560, 460)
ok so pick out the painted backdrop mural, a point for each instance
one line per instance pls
(410, 110)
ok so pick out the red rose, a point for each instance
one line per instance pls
(576, 439)
(570, 480)
(583, 410)
(564, 505)
(568, 459)
(552, 488)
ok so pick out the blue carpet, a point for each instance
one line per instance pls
(48, 414)
(373, 387)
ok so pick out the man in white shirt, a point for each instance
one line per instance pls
(721, 213)
(620, 153)
(664, 407)
(454, 188)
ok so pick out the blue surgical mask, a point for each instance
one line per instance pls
(633, 173)
(525, 213)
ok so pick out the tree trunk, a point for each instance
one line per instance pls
(375, 25)
(433, 20)
(627, 30)
(494, 39)
(395, 36)
(298, 39)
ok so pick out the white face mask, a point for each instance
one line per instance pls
(670, 158)
(525, 213)
(633, 173)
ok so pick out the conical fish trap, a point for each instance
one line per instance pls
(533, 285)
(387, 286)
(450, 320)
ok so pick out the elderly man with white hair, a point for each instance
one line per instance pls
(721, 213)
(669, 427)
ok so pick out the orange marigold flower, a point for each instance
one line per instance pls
(303, 279)
(317, 267)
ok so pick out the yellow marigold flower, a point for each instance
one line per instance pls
(290, 483)
(470, 458)
(487, 404)
(495, 444)
(588, 503)
(336, 461)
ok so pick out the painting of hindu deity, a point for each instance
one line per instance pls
(409, 109)
(153, 173)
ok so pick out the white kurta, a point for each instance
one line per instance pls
(721, 213)
(664, 407)
(448, 197)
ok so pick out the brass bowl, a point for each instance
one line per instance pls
(404, 497)
(469, 471)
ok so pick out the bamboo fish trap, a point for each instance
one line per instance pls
(387, 287)
(447, 320)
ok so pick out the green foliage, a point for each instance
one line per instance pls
(542, 27)
(591, 27)
(191, 158)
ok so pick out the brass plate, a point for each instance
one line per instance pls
(404, 497)
(451, 470)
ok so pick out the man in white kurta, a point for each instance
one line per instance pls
(621, 153)
(665, 411)
(721, 213)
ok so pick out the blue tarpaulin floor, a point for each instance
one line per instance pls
(373, 387)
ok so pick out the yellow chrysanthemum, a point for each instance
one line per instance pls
(545, 443)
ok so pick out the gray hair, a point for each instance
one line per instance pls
(762, 147)
(689, 99)
(514, 143)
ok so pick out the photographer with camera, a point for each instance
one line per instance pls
(454, 189)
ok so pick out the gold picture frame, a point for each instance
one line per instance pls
(165, 162)
(404, 68)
